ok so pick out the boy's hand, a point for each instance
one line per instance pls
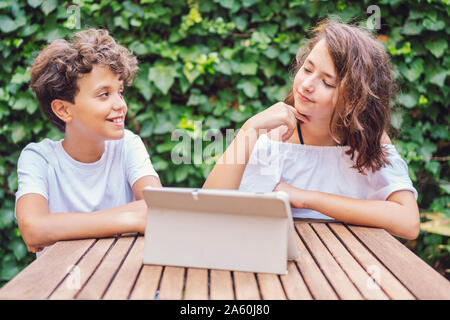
(34, 249)
(137, 216)
(280, 114)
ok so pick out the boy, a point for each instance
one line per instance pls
(99, 167)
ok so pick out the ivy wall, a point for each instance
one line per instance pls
(212, 64)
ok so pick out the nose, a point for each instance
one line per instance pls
(119, 102)
(307, 84)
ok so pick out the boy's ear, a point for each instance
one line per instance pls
(62, 110)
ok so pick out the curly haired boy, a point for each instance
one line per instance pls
(89, 184)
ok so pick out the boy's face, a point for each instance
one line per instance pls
(316, 80)
(99, 110)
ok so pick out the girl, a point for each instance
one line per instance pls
(326, 145)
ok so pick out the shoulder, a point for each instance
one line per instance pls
(385, 138)
(36, 151)
(130, 137)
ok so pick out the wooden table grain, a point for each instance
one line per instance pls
(337, 261)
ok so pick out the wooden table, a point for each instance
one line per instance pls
(336, 261)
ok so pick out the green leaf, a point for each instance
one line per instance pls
(12, 180)
(445, 186)
(8, 268)
(248, 68)
(48, 6)
(21, 76)
(6, 218)
(20, 103)
(7, 24)
(437, 48)
(437, 77)
(412, 28)
(250, 88)
(181, 173)
(397, 119)
(433, 25)
(409, 100)
(18, 248)
(163, 77)
(413, 73)
(121, 22)
(34, 3)
(427, 150)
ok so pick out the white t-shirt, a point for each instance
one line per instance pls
(321, 168)
(68, 185)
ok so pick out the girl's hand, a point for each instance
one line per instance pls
(297, 196)
(280, 114)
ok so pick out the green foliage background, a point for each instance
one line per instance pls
(220, 62)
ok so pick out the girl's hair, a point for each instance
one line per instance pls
(59, 65)
(366, 86)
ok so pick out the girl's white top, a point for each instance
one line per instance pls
(321, 168)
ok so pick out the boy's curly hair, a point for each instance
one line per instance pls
(366, 87)
(59, 65)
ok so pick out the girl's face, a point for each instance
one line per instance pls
(315, 85)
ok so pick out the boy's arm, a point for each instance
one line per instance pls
(39, 228)
(399, 214)
(147, 181)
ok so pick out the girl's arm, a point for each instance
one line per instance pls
(228, 171)
(399, 214)
(40, 228)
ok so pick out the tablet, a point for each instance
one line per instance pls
(224, 202)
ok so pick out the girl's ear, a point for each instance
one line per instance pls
(62, 110)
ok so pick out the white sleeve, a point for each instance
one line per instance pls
(32, 169)
(263, 170)
(137, 160)
(391, 178)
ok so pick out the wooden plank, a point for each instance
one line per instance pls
(221, 285)
(387, 281)
(338, 279)
(245, 286)
(421, 279)
(294, 285)
(123, 282)
(270, 286)
(172, 283)
(101, 278)
(43, 275)
(69, 288)
(147, 283)
(348, 264)
(318, 285)
(196, 284)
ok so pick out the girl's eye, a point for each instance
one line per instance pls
(328, 85)
(307, 70)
